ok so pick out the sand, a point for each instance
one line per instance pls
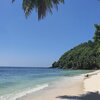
(74, 86)
(92, 84)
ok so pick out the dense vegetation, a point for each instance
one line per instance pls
(83, 56)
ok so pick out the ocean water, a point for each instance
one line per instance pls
(18, 81)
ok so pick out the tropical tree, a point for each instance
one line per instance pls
(97, 34)
(41, 6)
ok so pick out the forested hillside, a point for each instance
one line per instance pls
(83, 56)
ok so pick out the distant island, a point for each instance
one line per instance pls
(84, 56)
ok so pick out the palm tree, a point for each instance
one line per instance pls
(41, 6)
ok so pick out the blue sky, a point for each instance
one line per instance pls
(29, 42)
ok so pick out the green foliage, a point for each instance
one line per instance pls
(98, 61)
(41, 6)
(83, 56)
(97, 34)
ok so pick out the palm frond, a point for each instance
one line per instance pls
(41, 6)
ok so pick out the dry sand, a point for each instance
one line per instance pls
(92, 84)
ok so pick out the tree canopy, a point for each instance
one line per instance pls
(83, 56)
(97, 34)
(41, 6)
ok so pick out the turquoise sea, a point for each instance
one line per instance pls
(18, 81)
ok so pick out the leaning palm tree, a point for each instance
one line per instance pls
(41, 6)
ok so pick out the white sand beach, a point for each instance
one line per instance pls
(60, 90)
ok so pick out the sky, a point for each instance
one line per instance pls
(32, 43)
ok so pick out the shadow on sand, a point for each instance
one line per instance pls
(88, 96)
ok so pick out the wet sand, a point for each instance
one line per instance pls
(73, 86)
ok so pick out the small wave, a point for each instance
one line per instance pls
(21, 94)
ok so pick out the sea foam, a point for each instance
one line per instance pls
(23, 93)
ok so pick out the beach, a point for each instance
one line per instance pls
(64, 89)
(30, 83)
(48, 84)
(73, 86)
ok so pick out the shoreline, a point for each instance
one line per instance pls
(74, 86)
(71, 85)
